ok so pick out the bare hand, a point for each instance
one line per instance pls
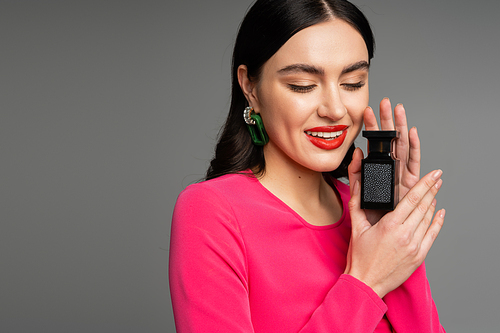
(407, 146)
(384, 254)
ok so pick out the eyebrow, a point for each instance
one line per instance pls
(298, 68)
(360, 65)
(305, 68)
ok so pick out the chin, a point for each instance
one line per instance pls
(327, 167)
(327, 164)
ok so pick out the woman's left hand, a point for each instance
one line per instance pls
(407, 146)
(407, 150)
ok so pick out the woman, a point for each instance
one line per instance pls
(272, 241)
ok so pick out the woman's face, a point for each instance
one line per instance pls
(311, 95)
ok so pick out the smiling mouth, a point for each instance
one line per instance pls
(325, 135)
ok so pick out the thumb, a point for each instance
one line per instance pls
(354, 168)
(359, 221)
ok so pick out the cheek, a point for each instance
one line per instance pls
(356, 113)
(357, 116)
(356, 106)
(280, 109)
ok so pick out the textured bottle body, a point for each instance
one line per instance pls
(379, 183)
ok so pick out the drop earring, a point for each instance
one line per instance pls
(255, 127)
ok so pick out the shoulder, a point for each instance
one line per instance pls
(217, 189)
(215, 199)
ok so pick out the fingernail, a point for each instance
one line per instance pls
(437, 174)
(434, 202)
(438, 184)
(442, 213)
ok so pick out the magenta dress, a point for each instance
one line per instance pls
(241, 260)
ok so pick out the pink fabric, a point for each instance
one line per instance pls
(243, 261)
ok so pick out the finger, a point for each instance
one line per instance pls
(413, 199)
(400, 118)
(386, 121)
(402, 144)
(370, 120)
(358, 217)
(415, 153)
(432, 232)
(426, 222)
(417, 217)
(357, 214)
(354, 169)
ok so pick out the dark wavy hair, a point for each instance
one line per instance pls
(266, 27)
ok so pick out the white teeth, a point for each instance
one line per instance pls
(325, 135)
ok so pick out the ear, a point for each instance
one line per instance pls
(248, 87)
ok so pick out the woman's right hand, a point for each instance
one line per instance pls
(384, 255)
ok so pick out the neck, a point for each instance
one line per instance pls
(303, 190)
(299, 183)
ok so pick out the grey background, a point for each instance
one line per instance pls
(109, 109)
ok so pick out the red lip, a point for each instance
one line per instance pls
(335, 128)
(324, 143)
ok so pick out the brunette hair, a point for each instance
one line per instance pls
(266, 27)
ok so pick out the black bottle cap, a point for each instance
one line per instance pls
(380, 141)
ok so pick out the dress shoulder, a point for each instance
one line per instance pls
(215, 200)
(219, 188)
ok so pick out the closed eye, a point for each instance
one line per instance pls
(353, 86)
(301, 89)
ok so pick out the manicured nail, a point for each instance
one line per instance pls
(438, 184)
(437, 174)
(442, 213)
(434, 202)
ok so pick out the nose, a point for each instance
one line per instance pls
(332, 106)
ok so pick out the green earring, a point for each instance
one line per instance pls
(255, 127)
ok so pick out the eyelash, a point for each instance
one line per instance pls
(301, 89)
(306, 89)
(353, 86)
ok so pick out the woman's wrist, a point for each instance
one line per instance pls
(376, 287)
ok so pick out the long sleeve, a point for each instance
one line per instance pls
(207, 268)
(350, 306)
(224, 277)
(411, 307)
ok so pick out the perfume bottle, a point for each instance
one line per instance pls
(380, 172)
